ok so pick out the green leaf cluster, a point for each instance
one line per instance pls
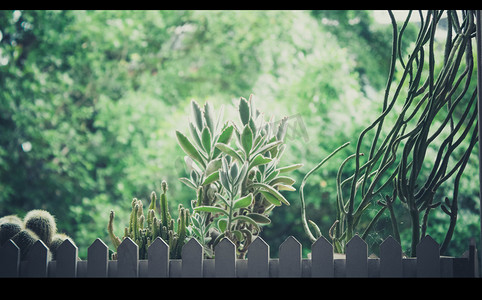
(237, 180)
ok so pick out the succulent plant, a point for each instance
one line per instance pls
(42, 223)
(9, 226)
(24, 240)
(57, 240)
(37, 225)
(143, 229)
(237, 186)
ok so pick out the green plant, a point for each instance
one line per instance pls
(37, 225)
(42, 223)
(9, 226)
(237, 186)
(24, 240)
(144, 229)
(57, 240)
(438, 114)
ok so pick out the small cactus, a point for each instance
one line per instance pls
(9, 226)
(36, 225)
(25, 240)
(144, 229)
(57, 240)
(42, 223)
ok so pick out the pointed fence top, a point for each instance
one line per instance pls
(128, 244)
(159, 243)
(259, 244)
(67, 245)
(192, 244)
(290, 242)
(98, 244)
(356, 241)
(225, 245)
(390, 243)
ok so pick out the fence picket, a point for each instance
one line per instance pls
(67, 260)
(192, 259)
(322, 264)
(97, 259)
(9, 260)
(391, 258)
(356, 257)
(428, 258)
(128, 259)
(290, 258)
(158, 257)
(37, 257)
(225, 259)
(258, 258)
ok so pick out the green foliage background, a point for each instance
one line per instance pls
(90, 101)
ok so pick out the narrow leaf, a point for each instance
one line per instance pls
(244, 201)
(289, 168)
(197, 115)
(246, 219)
(272, 191)
(188, 182)
(208, 116)
(211, 178)
(270, 198)
(187, 146)
(244, 112)
(284, 187)
(229, 151)
(259, 160)
(247, 140)
(259, 218)
(283, 180)
(267, 147)
(211, 209)
(224, 138)
(206, 140)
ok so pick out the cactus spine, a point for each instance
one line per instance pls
(143, 229)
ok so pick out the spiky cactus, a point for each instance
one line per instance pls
(37, 225)
(57, 240)
(42, 223)
(9, 226)
(144, 229)
(25, 239)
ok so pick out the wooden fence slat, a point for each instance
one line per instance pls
(192, 259)
(38, 257)
(322, 264)
(66, 259)
(258, 258)
(9, 260)
(225, 259)
(290, 258)
(391, 258)
(128, 259)
(356, 257)
(97, 259)
(428, 258)
(158, 257)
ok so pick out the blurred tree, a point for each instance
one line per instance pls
(90, 101)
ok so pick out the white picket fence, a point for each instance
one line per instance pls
(323, 262)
